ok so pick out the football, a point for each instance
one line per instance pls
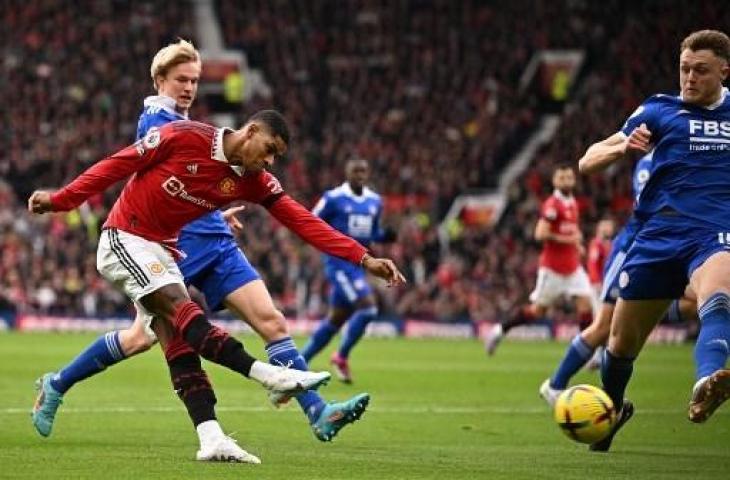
(585, 413)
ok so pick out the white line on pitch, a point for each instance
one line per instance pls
(434, 409)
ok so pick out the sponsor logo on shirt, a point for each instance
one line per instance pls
(175, 188)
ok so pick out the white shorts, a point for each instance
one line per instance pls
(551, 285)
(136, 266)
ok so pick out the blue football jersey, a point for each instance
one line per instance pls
(159, 110)
(691, 158)
(355, 215)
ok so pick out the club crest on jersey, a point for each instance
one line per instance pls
(156, 268)
(152, 139)
(193, 168)
(227, 186)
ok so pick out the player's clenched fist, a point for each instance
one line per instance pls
(383, 268)
(39, 202)
(639, 139)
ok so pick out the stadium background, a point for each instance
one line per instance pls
(434, 93)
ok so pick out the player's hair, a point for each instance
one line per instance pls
(563, 166)
(714, 40)
(274, 121)
(172, 55)
(356, 159)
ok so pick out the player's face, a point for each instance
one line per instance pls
(605, 229)
(180, 84)
(357, 173)
(564, 180)
(701, 74)
(259, 149)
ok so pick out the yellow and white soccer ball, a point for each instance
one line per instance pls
(585, 413)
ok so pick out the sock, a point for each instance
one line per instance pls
(209, 431)
(284, 352)
(193, 387)
(578, 353)
(584, 320)
(104, 352)
(209, 341)
(356, 325)
(522, 316)
(615, 374)
(713, 343)
(320, 338)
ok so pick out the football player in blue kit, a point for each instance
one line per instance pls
(353, 209)
(684, 235)
(216, 266)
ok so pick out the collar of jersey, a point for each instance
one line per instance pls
(218, 153)
(164, 102)
(565, 198)
(347, 189)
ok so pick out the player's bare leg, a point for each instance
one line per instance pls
(711, 282)
(521, 316)
(253, 304)
(632, 322)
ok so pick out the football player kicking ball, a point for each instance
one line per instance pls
(217, 267)
(137, 248)
(684, 235)
(560, 273)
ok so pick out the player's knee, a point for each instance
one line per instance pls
(271, 324)
(136, 341)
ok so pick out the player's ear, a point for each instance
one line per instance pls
(724, 70)
(251, 130)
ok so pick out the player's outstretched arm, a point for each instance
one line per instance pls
(605, 153)
(324, 238)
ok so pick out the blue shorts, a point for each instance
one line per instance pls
(215, 266)
(667, 249)
(616, 258)
(347, 284)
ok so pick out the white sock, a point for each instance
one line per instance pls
(261, 371)
(208, 431)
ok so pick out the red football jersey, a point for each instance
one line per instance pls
(181, 173)
(598, 251)
(562, 214)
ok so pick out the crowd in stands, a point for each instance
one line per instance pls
(427, 91)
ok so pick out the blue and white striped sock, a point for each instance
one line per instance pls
(284, 352)
(713, 343)
(104, 352)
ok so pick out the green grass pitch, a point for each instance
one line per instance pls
(440, 410)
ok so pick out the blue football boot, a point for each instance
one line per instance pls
(46, 405)
(334, 416)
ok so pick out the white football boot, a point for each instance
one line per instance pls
(286, 383)
(549, 394)
(225, 449)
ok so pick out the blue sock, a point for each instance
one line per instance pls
(356, 325)
(615, 374)
(713, 343)
(284, 352)
(104, 352)
(320, 338)
(578, 353)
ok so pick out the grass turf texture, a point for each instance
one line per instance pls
(439, 410)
